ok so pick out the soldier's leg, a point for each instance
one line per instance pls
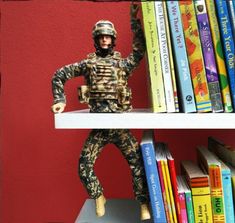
(90, 152)
(129, 147)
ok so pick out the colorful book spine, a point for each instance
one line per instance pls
(152, 176)
(156, 88)
(172, 66)
(189, 205)
(181, 59)
(195, 57)
(213, 167)
(164, 55)
(232, 15)
(219, 56)
(209, 57)
(228, 42)
(227, 189)
(199, 185)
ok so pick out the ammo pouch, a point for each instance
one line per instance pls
(124, 95)
(84, 94)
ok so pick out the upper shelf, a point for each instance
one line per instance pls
(143, 119)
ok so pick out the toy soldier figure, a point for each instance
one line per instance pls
(106, 75)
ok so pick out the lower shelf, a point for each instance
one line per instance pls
(116, 211)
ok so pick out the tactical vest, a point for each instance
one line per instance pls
(106, 80)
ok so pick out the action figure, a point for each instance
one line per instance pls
(106, 75)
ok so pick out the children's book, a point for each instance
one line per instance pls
(188, 197)
(156, 84)
(180, 57)
(195, 56)
(148, 152)
(219, 56)
(164, 55)
(209, 56)
(227, 42)
(212, 166)
(200, 187)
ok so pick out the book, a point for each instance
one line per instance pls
(219, 56)
(225, 152)
(180, 57)
(152, 176)
(212, 166)
(172, 66)
(231, 9)
(173, 179)
(195, 57)
(156, 86)
(188, 197)
(208, 55)
(182, 200)
(227, 42)
(228, 192)
(162, 161)
(164, 55)
(199, 185)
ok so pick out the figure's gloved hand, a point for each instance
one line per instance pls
(134, 10)
(58, 107)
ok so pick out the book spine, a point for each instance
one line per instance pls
(181, 60)
(189, 206)
(227, 42)
(183, 209)
(157, 93)
(174, 183)
(195, 57)
(209, 57)
(160, 171)
(219, 56)
(171, 58)
(153, 182)
(202, 204)
(170, 192)
(216, 194)
(164, 55)
(228, 199)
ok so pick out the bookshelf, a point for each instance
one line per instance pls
(143, 119)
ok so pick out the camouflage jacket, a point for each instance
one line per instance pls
(107, 96)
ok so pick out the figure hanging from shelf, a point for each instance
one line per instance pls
(106, 75)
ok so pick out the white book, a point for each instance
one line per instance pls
(164, 55)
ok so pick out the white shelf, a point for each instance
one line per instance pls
(143, 119)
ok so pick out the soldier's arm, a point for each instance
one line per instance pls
(59, 79)
(138, 44)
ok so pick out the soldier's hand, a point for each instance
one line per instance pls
(58, 107)
(134, 10)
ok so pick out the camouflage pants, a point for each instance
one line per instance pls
(129, 147)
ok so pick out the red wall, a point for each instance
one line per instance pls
(39, 181)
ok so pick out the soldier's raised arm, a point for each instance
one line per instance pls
(138, 44)
(59, 79)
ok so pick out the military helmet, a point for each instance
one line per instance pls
(104, 27)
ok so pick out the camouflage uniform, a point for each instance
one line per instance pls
(106, 90)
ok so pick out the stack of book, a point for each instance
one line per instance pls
(202, 192)
(190, 55)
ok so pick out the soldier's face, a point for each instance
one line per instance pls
(105, 41)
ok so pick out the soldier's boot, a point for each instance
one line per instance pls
(144, 212)
(99, 203)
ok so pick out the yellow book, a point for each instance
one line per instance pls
(169, 185)
(156, 83)
(199, 185)
(212, 167)
(195, 56)
(215, 32)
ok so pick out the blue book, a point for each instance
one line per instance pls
(180, 56)
(152, 176)
(228, 42)
(228, 192)
(231, 9)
